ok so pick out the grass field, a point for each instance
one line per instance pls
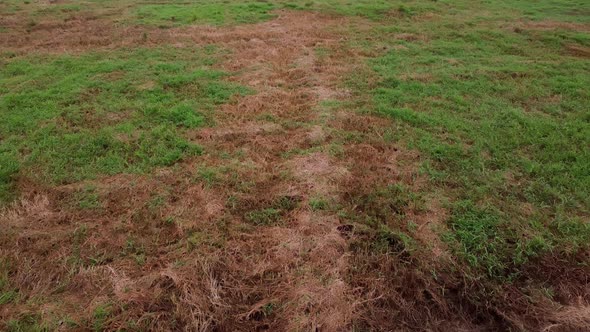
(318, 165)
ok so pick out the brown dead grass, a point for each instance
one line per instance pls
(554, 25)
(77, 34)
(578, 50)
(570, 318)
(207, 270)
(319, 173)
(410, 37)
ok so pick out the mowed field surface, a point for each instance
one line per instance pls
(321, 165)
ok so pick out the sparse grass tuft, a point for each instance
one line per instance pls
(264, 217)
(27, 323)
(7, 293)
(100, 316)
(385, 205)
(318, 204)
(275, 213)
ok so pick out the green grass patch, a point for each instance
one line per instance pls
(501, 118)
(100, 316)
(210, 12)
(274, 213)
(482, 237)
(68, 118)
(87, 198)
(318, 204)
(562, 10)
(264, 217)
(27, 323)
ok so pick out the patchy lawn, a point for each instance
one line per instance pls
(294, 165)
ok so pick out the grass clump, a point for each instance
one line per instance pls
(209, 175)
(100, 316)
(383, 206)
(274, 213)
(27, 323)
(318, 204)
(87, 198)
(264, 217)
